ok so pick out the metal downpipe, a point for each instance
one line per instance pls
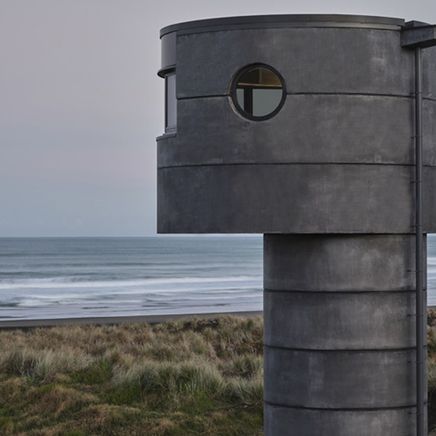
(420, 292)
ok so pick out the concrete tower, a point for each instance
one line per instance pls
(304, 128)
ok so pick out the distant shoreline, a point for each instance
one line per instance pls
(107, 320)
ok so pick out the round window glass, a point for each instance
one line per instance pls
(258, 92)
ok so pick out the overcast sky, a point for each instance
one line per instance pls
(81, 105)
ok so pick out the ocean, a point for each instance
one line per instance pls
(86, 277)
(81, 277)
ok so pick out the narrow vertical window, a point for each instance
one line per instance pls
(170, 102)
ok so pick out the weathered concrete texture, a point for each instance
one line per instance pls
(339, 379)
(340, 354)
(333, 169)
(342, 320)
(310, 60)
(428, 69)
(290, 199)
(168, 51)
(339, 263)
(238, 176)
(429, 129)
(308, 129)
(284, 421)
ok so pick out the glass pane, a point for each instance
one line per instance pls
(240, 96)
(171, 101)
(259, 91)
(266, 101)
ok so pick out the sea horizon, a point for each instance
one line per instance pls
(54, 277)
(74, 277)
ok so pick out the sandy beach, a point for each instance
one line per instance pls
(109, 320)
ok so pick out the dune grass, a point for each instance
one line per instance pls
(177, 378)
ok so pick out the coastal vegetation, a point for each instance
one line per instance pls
(200, 376)
(176, 378)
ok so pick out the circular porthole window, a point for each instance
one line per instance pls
(258, 92)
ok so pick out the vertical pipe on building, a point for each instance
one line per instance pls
(420, 300)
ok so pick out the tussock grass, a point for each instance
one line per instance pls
(177, 378)
(40, 365)
(199, 377)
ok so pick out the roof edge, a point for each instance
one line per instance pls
(272, 20)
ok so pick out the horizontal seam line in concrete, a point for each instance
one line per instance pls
(230, 164)
(346, 94)
(340, 350)
(348, 291)
(338, 409)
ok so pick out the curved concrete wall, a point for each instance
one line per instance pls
(330, 181)
(344, 320)
(309, 198)
(395, 422)
(369, 263)
(339, 380)
(311, 60)
(308, 129)
(349, 101)
(339, 335)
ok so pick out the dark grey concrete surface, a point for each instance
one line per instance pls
(350, 101)
(429, 67)
(340, 320)
(339, 263)
(339, 379)
(168, 51)
(325, 129)
(267, 198)
(330, 181)
(315, 60)
(282, 421)
(378, 130)
(339, 316)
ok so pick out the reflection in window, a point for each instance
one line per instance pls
(259, 92)
(170, 102)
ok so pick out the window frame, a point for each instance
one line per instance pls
(170, 129)
(234, 87)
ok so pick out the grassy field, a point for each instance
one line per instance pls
(178, 378)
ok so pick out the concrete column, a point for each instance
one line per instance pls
(339, 335)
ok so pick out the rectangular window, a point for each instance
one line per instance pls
(170, 102)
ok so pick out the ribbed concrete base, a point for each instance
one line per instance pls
(339, 335)
(283, 421)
